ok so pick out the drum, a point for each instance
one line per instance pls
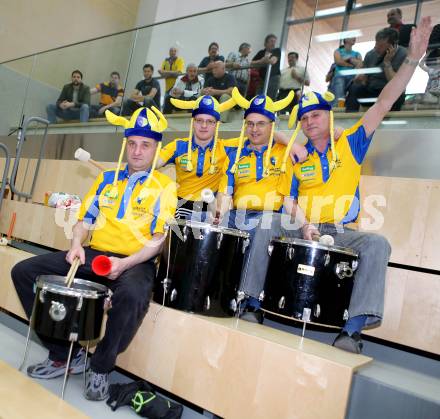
(309, 281)
(74, 313)
(200, 268)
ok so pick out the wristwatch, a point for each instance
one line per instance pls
(413, 63)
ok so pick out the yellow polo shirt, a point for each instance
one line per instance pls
(249, 189)
(329, 197)
(177, 65)
(125, 224)
(191, 184)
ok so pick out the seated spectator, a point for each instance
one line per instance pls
(146, 93)
(388, 57)
(235, 61)
(73, 102)
(345, 59)
(431, 64)
(269, 55)
(254, 82)
(111, 96)
(292, 78)
(220, 85)
(171, 68)
(394, 19)
(207, 63)
(186, 87)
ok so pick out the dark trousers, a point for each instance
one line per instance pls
(131, 106)
(282, 93)
(360, 91)
(130, 301)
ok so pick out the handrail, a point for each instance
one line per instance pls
(5, 172)
(21, 137)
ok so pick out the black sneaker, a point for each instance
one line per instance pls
(253, 315)
(96, 386)
(349, 343)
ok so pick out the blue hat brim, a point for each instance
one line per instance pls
(142, 132)
(318, 106)
(264, 112)
(205, 111)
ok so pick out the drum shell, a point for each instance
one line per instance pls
(316, 287)
(207, 265)
(83, 315)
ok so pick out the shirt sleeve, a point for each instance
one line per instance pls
(358, 140)
(288, 184)
(165, 208)
(168, 153)
(89, 209)
(139, 86)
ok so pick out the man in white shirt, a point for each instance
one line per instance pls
(235, 63)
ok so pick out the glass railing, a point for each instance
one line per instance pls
(312, 29)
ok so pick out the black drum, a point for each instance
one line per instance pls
(200, 268)
(309, 281)
(74, 313)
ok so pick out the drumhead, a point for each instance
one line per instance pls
(79, 288)
(211, 227)
(316, 245)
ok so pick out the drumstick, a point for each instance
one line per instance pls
(72, 272)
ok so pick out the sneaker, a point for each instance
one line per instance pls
(52, 369)
(349, 343)
(96, 386)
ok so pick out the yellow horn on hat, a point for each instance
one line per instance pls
(328, 96)
(293, 116)
(116, 120)
(162, 123)
(225, 106)
(239, 99)
(183, 104)
(282, 103)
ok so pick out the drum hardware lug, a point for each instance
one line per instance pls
(326, 259)
(41, 295)
(57, 311)
(240, 296)
(282, 302)
(207, 303)
(80, 303)
(245, 245)
(343, 270)
(107, 303)
(261, 296)
(290, 252)
(354, 264)
(166, 283)
(73, 337)
(345, 316)
(173, 295)
(185, 233)
(270, 249)
(233, 305)
(306, 314)
(317, 311)
(219, 240)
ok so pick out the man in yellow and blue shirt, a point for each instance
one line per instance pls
(250, 180)
(325, 189)
(126, 211)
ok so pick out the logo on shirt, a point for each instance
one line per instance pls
(244, 166)
(305, 169)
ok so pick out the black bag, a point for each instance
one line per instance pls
(143, 400)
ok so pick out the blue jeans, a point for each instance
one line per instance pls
(81, 113)
(339, 86)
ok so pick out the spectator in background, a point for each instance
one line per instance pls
(235, 62)
(171, 68)
(111, 95)
(220, 85)
(186, 87)
(431, 65)
(388, 56)
(345, 59)
(207, 63)
(73, 102)
(292, 78)
(394, 19)
(269, 55)
(146, 93)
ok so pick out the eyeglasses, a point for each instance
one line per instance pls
(259, 124)
(207, 122)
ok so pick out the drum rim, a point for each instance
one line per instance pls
(316, 245)
(211, 227)
(61, 289)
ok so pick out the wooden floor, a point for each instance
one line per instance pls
(23, 398)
